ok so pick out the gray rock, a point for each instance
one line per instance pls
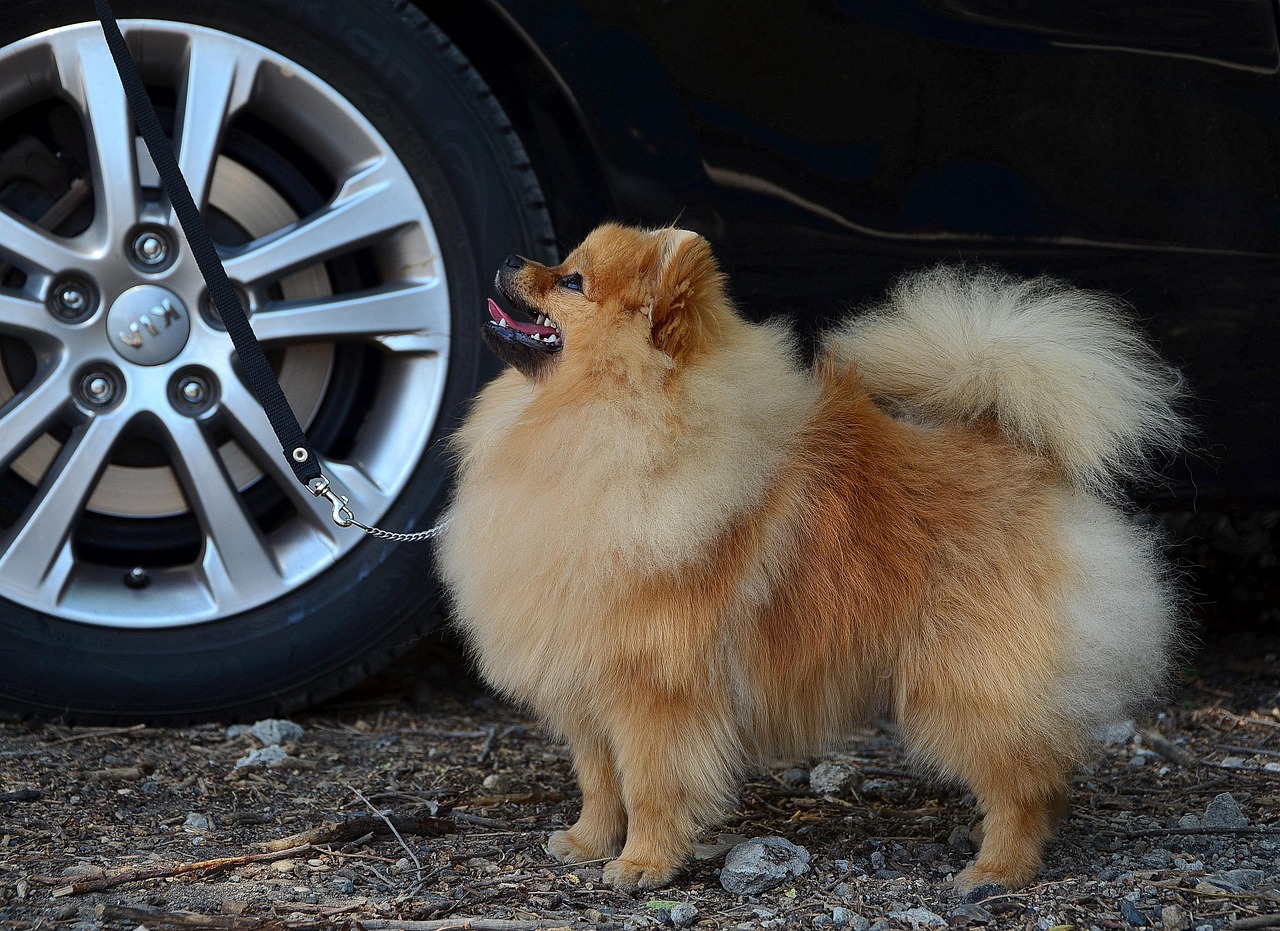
(684, 915)
(1174, 918)
(196, 823)
(884, 790)
(983, 892)
(1237, 880)
(919, 918)
(833, 777)
(1188, 821)
(273, 731)
(272, 757)
(1115, 735)
(1133, 915)
(762, 863)
(971, 912)
(959, 839)
(795, 778)
(1157, 858)
(236, 731)
(1223, 812)
(841, 917)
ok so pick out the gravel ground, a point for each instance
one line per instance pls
(420, 802)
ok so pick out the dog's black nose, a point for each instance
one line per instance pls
(514, 261)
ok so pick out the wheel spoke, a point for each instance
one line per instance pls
(418, 308)
(370, 205)
(24, 318)
(238, 564)
(88, 76)
(31, 413)
(219, 81)
(365, 496)
(253, 432)
(35, 554)
(31, 248)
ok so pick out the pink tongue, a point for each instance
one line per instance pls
(530, 329)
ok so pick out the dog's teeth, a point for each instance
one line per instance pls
(501, 322)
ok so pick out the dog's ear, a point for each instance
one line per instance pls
(688, 294)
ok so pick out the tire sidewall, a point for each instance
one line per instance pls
(351, 618)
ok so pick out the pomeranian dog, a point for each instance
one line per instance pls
(690, 552)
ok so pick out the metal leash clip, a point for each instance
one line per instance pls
(343, 516)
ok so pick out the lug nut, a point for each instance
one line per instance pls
(97, 389)
(193, 392)
(71, 300)
(137, 578)
(150, 249)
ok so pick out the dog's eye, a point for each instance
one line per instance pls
(572, 282)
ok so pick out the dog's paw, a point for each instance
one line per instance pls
(976, 882)
(628, 874)
(568, 847)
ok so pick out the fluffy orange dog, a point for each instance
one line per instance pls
(690, 552)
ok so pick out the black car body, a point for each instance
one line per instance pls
(827, 146)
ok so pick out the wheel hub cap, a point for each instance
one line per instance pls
(148, 325)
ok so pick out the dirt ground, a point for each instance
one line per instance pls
(420, 802)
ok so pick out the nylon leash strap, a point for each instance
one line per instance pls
(294, 445)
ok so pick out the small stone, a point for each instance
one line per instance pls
(971, 912)
(684, 915)
(1157, 858)
(832, 777)
(495, 782)
(762, 863)
(287, 865)
(1139, 760)
(1233, 762)
(841, 917)
(345, 886)
(639, 923)
(959, 839)
(858, 923)
(1223, 812)
(884, 790)
(196, 823)
(1174, 918)
(1115, 735)
(1133, 915)
(919, 918)
(764, 914)
(277, 732)
(236, 731)
(984, 892)
(1189, 822)
(271, 757)
(795, 778)
(877, 860)
(1237, 880)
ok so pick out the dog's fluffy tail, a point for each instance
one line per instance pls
(1058, 369)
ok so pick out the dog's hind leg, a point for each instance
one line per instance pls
(601, 827)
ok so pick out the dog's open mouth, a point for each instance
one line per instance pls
(527, 345)
(542, 333)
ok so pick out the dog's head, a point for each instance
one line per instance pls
(623, 289)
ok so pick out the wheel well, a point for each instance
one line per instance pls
(542, 111)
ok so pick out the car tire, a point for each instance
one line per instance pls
(147, 607)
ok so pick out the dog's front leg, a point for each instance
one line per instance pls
(600, 829)
(675, 754)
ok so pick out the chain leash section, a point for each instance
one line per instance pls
(344, 517)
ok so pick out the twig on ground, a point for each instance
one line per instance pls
(107, 881)
(417, 864)
(338, 832)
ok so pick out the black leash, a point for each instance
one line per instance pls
(262, 381)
